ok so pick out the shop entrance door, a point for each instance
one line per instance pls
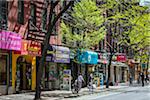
(23, 81)
(3, 73)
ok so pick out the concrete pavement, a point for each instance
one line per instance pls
(61, 94)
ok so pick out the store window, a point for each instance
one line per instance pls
(3, 69)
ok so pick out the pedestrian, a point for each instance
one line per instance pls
(139, 78)
(130, 78)
(90, 85)
(80, 80)
(142, 78)
(146, 78)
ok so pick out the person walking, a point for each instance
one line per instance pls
(90, 85)
(139, 78)
(142, 79)
(130, 79)
(80, 80)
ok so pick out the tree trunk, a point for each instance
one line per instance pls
(51, 24)
(109, 72)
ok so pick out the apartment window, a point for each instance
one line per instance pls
(53, 17)
(33, 14)
(3, 14)
(44, 19)
(20, 11)
(64, 3)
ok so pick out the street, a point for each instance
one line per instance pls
(131, 93)
(113, 93)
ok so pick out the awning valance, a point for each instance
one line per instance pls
(119, 64)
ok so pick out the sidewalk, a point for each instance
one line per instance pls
(59, 94)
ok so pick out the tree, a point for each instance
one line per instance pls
(130, 30)
(86, 28)
(51, 23)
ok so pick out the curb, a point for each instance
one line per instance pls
(94, 92)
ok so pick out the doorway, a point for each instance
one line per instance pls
(4, 68)
(23, 73)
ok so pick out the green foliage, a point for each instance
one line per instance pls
(133, 21)
(88, 22)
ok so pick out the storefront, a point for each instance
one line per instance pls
(119, 69)
(57, 60)
(9, 41)
(100, 68)
(24, 66)
(88, 60)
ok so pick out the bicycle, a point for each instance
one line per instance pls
(75, 87)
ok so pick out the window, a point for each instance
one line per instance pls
(33, 14)
(53, 16)
(44, 19)
(20, 11)
(3, 14)
(3, 69)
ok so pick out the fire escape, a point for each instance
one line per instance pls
(38, 22)
(35, 31)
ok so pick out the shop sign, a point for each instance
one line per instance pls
(31, 48)
(102, 58)
(10, 40)
(88, 57)
(121, 58)
(58, 54)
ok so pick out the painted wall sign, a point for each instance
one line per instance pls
(10, 40)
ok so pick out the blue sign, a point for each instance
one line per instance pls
(88, 57)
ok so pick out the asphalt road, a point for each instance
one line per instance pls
(131, 93)
(139, 94)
